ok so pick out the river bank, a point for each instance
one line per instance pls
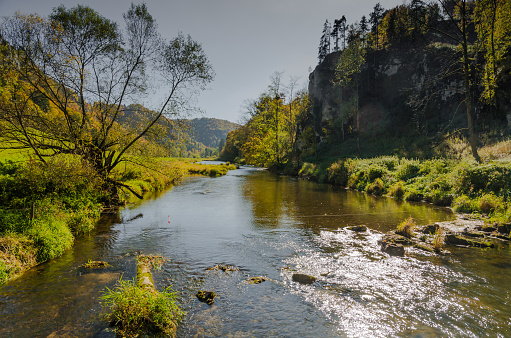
(482, 190)
(45, 207)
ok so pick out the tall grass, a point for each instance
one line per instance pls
(135, 310)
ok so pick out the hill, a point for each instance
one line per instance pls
(210, 131)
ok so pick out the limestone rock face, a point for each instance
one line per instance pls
(395, 93)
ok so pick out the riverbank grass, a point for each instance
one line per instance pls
(464, 185)
(137, 310)
(44, 207)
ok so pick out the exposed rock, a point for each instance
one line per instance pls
(487, 228)
(476, 234)
(430, 229)
(225, 268)
(452, 239)
(207, 297)
(395, 238)
(425, 247)
(303, 279)
(357, 228)
(257, 280)
(393, 249)
(504, 228)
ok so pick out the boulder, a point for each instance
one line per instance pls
(430, 229)
(303, 279)
(452, 239)
(393, 249)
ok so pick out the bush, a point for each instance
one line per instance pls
(408, 170)
(307, 169)
(376, 188)
(49, 230)
(463, 204)
(397, 190)
(339, 172)
(489, 203)
(413, 195)
(135, 310)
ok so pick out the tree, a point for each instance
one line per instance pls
(347, 74)
(493, 26)
(335, 35)
(277, 99)
(342, 29)
(374, 20)
(324, 44)
(457, 14)
(84, 68)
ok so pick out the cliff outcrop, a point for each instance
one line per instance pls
(401, 91)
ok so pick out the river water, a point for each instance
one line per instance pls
(273, 226)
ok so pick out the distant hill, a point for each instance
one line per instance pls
(210, 131)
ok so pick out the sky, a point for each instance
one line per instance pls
(246, 41)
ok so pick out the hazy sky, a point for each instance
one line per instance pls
(245, 40)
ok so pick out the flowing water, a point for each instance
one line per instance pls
(271, 226)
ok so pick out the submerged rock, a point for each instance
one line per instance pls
(257, 280)
(225, 268)
(207, 297)
(303, 279)
(393, 249)
(357, 228)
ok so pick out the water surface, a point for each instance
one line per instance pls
(272, 226)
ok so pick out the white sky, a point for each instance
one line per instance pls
(245, 40)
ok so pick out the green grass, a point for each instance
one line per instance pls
(135, 311)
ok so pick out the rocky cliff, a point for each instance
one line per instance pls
(402, 90)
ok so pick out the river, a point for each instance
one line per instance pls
(273, 226)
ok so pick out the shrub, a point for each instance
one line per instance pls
(307, 169)
(374, 172)
(376, 188)
(463, 204)
(135, 310)
(397, 190)
(338, 173)
(413, 195)
(489, 203)
(408, 171)
(50, 231)
(406, 227)
(439, 197)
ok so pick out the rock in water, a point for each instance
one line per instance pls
(393, 249)
(357, 228)
(207, 297)
(303, 279)
(257, 280)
